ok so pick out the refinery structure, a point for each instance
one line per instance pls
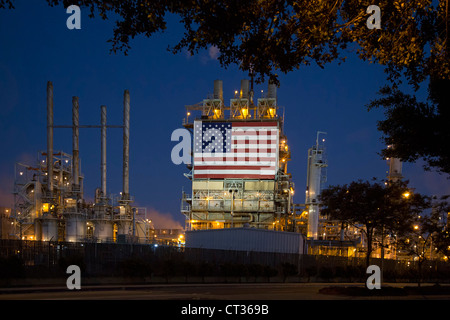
(240, 155)
(240, 186)
(239, 173)
(49, 202)
(239, 179)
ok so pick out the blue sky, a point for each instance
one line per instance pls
(37, 47)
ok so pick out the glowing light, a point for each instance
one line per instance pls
(272, 112)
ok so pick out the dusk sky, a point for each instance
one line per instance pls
(37, 47)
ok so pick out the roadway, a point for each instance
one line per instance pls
(234, 291)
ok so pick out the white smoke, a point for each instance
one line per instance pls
(162, 220)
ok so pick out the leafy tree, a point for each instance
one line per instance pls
(373, 206)
(423, 233)
(271, 36)
(442, 238)
(268, 37)
(417, 129)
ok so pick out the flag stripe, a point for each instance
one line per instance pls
(234, 167)
(255, 124)
(235, 150)
(225, 176)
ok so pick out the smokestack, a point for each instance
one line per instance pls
(103, 146)
(272, 90)
(50, 138)
(75, 143)
(245, 84)
(126, 146)
(218, 89)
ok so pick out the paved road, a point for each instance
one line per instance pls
(241, 292)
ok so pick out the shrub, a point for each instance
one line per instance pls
(288, 269)
(11, 267)
(135, 267)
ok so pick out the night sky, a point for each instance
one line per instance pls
(37, 47)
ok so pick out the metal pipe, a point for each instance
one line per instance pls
(103, 151)
(75, 143)
(134, 223)
(126, 145)
(50, 138)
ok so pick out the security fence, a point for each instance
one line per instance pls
(36, 259)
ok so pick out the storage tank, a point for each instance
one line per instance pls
(141, 231)
(124, 227)
(103, 230)
(75, 228)
(49, 229)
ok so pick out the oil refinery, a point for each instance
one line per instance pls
(239, 173)
(240, 185)
(49, 202)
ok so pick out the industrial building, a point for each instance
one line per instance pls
(240, 154)
(49, 199)
(239, 177)
(239, 186)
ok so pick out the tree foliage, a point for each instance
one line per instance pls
(271, 36)
(417, 130)
(373, 206)
(267, 37)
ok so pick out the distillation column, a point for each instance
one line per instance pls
(316, 161)
(395, 168)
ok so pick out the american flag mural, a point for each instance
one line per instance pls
(235, 150)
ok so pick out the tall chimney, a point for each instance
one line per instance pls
(75, 143)
(103, 146)
(50, 138)
(218, 89)
(126, 146)
(272, 90)
(244, 94)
